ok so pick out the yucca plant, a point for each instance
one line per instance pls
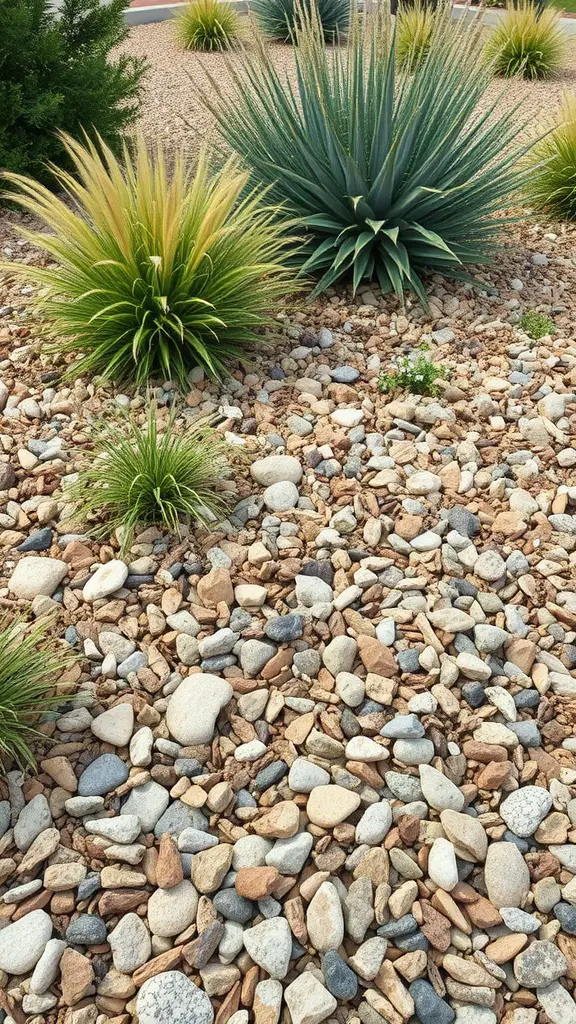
(389, 175)
(415, 24)
(151, 474)
(31, 660)
(552, 183)
(158, 271)
(526, 42)
(279, 19)
(210, 25)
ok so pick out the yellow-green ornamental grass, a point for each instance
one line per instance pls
(209, 25)
(527, 43)
(552, 185)
(414, 30)
(160, 266)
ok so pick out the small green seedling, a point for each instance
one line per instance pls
(416, 375)
(536, 325)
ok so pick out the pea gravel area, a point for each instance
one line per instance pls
(173, 109)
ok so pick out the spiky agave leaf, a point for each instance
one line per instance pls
(390, 174)
(552, 182)
(279, 19)
(158, 270)
(151, 475)
(209, 25)
(527, 41)
(31, 661)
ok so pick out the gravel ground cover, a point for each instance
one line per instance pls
(173, 110)
(322, 761)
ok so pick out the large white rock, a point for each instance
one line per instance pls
(23, 942)
(276, 468)
(195, 706)
(35, 576)
(130, 943)
(270, 945)
(106, 580)
(172, 998)
(308, 1001)
(115, 725)
(170, 911)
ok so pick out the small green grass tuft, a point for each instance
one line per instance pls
(31, 660)
(536, 325)
(208, 25)
(552, 185)
(526, 42)
(416, 374)
(151, 475)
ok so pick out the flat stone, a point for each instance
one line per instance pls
(374, 824)
(467, 834)
(171, 911)
(288, 856)
(106, 580)
(438, 791)
(308, 1001)
(172, 998)
(270, 946)
(130, 943)
(194, 707)
(23, 942)
(281, 497)
(340, 979)
(524, 809)
(539, 964)
(304, 776)
(324, 919)
(33, 819)
(86, 930)
(429, 1007)
(115, 725)
(148, 803)
(557, 1003)
(102, 775)
(506, 875)
(442, 866)
(330, 805)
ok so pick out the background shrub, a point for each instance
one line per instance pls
(279, 19)
(207, 25)
(414, 28)
(552, 183)
(30, 663)
(158, 271)
(151, 475)
(388, 177)
(57, 72)
(526, 42)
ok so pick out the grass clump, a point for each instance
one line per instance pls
(526, 42)
(31, 660)
(389, 175)
(157, 270)
(414, 373)
(536, 325)
(280, 19)
(414, 30)
(552, 184)
(209, 25)
(151, 475)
